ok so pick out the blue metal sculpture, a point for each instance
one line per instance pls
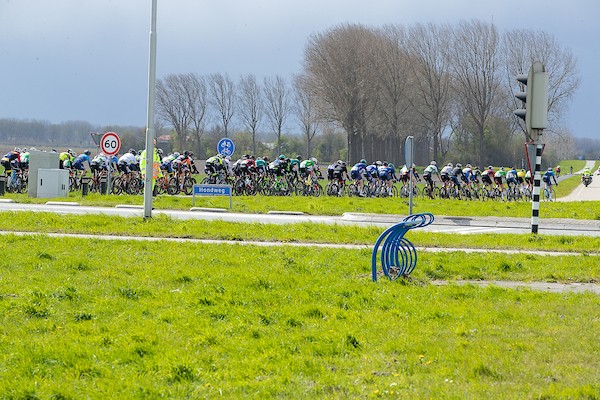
(398, 255)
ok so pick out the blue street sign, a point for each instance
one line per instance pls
(212, 190)
(226, 147)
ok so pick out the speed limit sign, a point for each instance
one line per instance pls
(110, 144)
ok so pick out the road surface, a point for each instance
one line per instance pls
(582, 193)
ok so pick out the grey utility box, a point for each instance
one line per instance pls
(52, 183)
(37, 160)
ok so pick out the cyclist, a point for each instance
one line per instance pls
(557, 169)
(82, 161)
(340, 172)
(511, 177)
(65, 159)
(24, 164)
(445, 173)
(261, 165)
(307, 168)
(521, 176)
(456, 175)
(213, 164)
(166, 163)
(387, 173)
(405, 173)
(128, 162)
(548, 178)
(498, 178)
(295, 166)
(99, 163)
(357, 172)
(430, 170)
(487, 175)
(11, 161)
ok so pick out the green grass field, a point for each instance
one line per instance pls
(85, 318)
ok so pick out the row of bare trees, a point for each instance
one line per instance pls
(190, 103)
(451, 87)
(445, 85)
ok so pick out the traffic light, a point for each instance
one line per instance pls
(535, 113)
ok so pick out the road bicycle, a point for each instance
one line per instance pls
(549, 193)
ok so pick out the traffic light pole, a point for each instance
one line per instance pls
(535, 202)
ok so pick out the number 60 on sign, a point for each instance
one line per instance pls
(110, 144)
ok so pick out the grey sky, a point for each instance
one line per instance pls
(88, 59)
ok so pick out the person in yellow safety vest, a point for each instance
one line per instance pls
(156, 172)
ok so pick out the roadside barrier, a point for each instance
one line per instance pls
(398, 255)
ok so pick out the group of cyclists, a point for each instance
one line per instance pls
(362, 175)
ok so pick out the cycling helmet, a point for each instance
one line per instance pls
(391, 165)
(298, 157)
(70, 151)
(24, 149)
(458, 165)
(132, 151)
(550, 169)
(469, 166)
(314, 160)
(433, 163)
(362, 160)
(282, 156)
(490, 167)
(87, 152)
(343, 163)
(176, 154)
(159, 152)
(450, 165)
(186, 153)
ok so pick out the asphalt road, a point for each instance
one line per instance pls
(459, 225)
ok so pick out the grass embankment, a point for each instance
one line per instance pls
(126, 319)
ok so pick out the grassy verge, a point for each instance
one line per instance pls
(165, 227)
(112, 319)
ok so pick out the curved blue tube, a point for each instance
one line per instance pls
(398, 255)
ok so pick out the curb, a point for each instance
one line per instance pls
(489, 222)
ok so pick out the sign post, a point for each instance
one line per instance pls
(408, 158)
(110, 144)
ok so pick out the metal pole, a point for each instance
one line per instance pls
(150, 120)
(535, 202)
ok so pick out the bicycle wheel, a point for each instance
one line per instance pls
(188, 185)
(332, 190)
(173, 188)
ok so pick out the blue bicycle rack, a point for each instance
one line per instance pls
(398, 255)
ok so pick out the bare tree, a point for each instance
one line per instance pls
(393, 117)
(173, 106)
(306, 111)
(337, 64)
(277, 106)
(430, 65)
(197, 98)
(521, 49)
(475, 63)
(222, 92)
(250, 105)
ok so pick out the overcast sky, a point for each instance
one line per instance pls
(87, 60)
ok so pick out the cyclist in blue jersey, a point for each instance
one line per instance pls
(548, 177)
(357, 172)
(82, 161)
(387, 173)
